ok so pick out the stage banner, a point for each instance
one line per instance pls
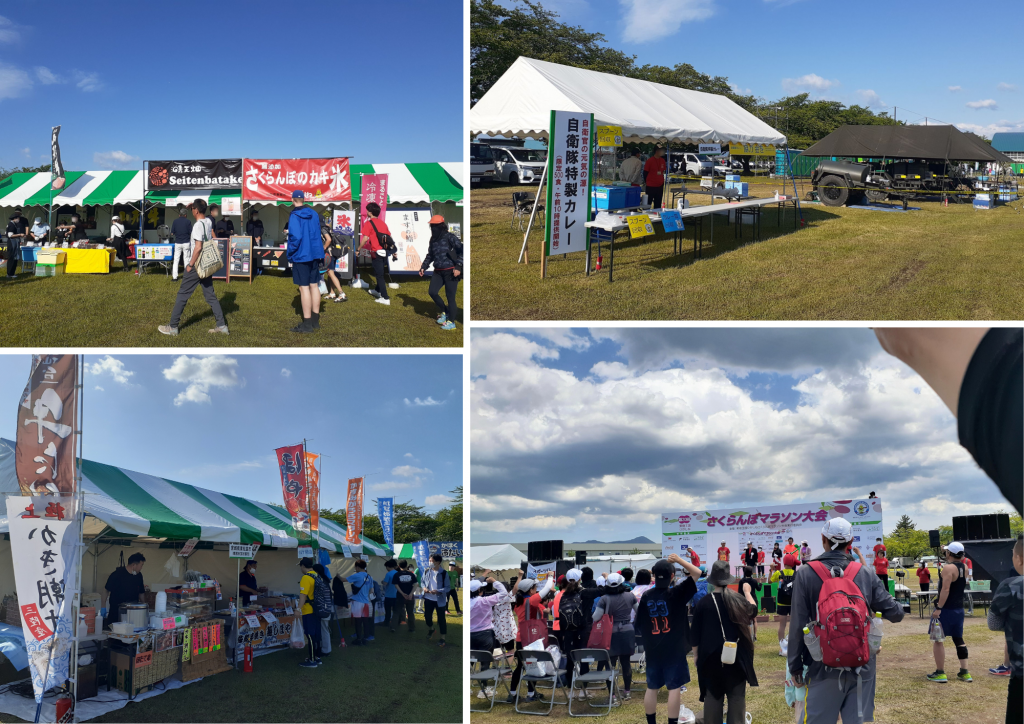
(354, 511)
(410, 229)
(293, 484)
(43, 540)
(704, 530)
(313, 486)
(421, 554)
(448, 549)
(44, 457)
(322, 180)
(570, 159)
(221, 173)
(386, 515)
(373, 187)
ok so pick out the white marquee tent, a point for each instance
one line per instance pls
(521, 101)
(496, 558)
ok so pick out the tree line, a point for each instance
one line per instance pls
(412, 522)
(905, 540)
(500, 34)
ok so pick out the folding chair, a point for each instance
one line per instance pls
(522, 206)
(528, 658)
(638, 662)
(491, 673)
(593, 657)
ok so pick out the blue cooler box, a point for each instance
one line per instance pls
(732, 177)
(616, 197)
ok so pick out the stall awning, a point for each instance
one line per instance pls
(521, 101)
(414, 183)
(144, 505)
(210, 196)
(945, 142)
(81, 188)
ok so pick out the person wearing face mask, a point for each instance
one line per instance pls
(39, 230)
(254, 228)
(445, 253)
(223, 228)
(247, 582)
(76, 229)
(124, 585)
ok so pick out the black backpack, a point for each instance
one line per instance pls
(570, 612)
(786, 590)
(323, 602)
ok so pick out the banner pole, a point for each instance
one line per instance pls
(536, 200)
(80, 517)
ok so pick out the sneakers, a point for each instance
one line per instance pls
(220, 330)
(318, 661)
(442, 319)
(626, 695)
(374, 293)
(368, 638)
(1000, 671)
(385, 302)
(168, 330)
(481, 695)
(939, 677)
(441, 643)
(430, 633)
(965, 676)
(307, 664)
(448, 326)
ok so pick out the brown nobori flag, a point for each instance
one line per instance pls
(56, 167)
(44, 456)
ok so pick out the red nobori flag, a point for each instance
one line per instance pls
(322, 180)
(44, 455)
(313, 479)
(354, 511)
(293, 483)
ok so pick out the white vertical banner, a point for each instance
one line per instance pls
(570, 163)
(43, 540)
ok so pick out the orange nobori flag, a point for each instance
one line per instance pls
(313, 483)
(293, 485)
(354, 511)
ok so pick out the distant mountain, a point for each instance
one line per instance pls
(639, 539)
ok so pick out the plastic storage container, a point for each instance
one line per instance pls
(616, 197)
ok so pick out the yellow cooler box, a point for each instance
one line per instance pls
(50, 262)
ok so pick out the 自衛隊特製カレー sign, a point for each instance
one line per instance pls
(221, 173)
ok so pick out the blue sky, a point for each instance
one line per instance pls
(215, 421)
(918, 55)
(132, 81)
(586, 434)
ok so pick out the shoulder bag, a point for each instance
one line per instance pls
(209, 258)
(729, 648)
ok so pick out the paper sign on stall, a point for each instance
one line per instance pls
(240, 550)
(271, 618)
(231, 206)
(289, 610)
(252, 620)
(305, 551)
(671, 220)
(346, 551)
(709, 149)
(639, 226)
(609, 136)
(190, 545)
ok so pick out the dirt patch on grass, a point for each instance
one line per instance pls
(905, 275)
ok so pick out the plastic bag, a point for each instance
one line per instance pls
(537, 668)
(378, 612)
(323, 287)
(685, 715)
(297, 640)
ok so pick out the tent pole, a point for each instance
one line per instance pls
(792, 175)
(536, 199)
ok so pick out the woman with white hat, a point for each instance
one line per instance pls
(527, 606)
(572, 618)
(483, 597)
(619, 603)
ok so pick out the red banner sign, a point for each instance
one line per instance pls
(34, 622)
(293, 484)
(313, 480)
(44, 456)
(322, 180)
(373, 187)
(354, 511)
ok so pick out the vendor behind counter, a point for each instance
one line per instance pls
(124, 585)
(247, 582)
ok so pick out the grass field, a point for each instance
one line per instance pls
(903, 695)
(847, 264)
(399, 677)
(122, 310)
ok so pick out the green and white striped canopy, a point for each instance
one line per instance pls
(144, 505)
(409, 183)
(210, 196)
(82, 188)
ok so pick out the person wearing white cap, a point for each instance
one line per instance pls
(620, 604)
(949, 611)
(723, 552)
(832, 692)
(118, 241)
(572, 620)
(481, 619)
(39, 231)
(528, 606)
(805, 552)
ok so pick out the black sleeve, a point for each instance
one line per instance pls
(142, 586)
(684, 591)
(990, 413)
(111, 583)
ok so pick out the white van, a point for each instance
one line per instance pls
(519, 165)
(481, 162)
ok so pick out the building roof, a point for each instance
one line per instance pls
(1006, 142)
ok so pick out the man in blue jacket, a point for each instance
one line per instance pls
(305, 253)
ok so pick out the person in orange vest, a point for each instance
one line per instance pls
(560, 584)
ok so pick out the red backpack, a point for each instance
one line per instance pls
(843, 618)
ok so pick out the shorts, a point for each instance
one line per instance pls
(306, 273)
(360, 609)
(952, 620)
(671, 675)
(783, 609)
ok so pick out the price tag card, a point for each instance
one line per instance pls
(289, 610)
(672, 220)
(271, 618)
(609, 136)
(639, 226)
(252, 620)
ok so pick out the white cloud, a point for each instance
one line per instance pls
(408, 455)
(812, 82)
(26, 152)
(558, 336)
(988, 104)
(285, 372)
(1006, 87)
(437, 501)
(13, 81)
(46, 76)
(99, 388)
(9, 32)
(115, 160)
(650, 20)
(741, 91)
(988, 129)
(111, 366)
(87, 82)
(871, 99)
(200, 374)
(955, 88)
(408, 471)
(536, 522)
(395, 485)
(428, 402)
